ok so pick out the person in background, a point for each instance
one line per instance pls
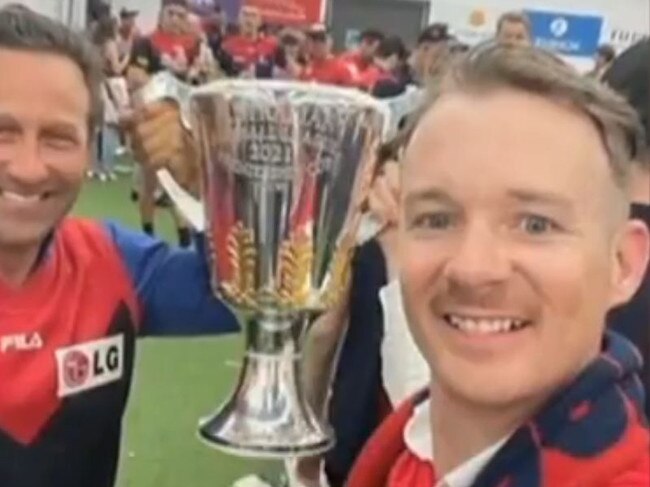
(605, 56)
(507, 277)
(362, 58)
(214, 21)
(127, 31)
(105, 37)
(249, 46)
(288, 61)
(384, 79)
(431, 54)
(75, 294)
(514, 29)
(629, 74)
(322, 65)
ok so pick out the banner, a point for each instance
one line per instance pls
(290, 12)
(567, 34)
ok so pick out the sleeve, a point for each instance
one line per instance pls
(172, 285)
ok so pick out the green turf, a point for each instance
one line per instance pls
(176, 382)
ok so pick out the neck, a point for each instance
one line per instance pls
(16, 264)
(462, 430)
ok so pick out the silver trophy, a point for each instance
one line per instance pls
(286, 167)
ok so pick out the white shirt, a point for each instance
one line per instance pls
(404, 370)
(417, 436)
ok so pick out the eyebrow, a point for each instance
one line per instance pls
(429, 195)
(540, 197)
(9, 121)
(54, 126)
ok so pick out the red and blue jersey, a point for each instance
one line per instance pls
(67, 347)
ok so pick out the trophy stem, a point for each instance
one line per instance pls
(269, 416)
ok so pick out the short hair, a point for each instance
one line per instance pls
(607, 52)
(391, 46)
(539, 72)
(372, 35)
(514, 17)
(25, 30)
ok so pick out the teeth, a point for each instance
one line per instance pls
(485, 326)
(20, 198)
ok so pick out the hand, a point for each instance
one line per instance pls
(383, 203)
(161, 141)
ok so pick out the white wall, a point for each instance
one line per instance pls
(624, 20)
(70, 12)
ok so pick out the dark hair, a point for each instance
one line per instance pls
(372, 35)
(607, 52)
(391, 46)
(514, 18)
(23, 29)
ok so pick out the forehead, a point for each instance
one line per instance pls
(513, 26)
(506, 137)
(23, 92)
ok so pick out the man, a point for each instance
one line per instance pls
(385, 77)
(507, 279)
(514, 29)
(127, 31)
(361, 58)
(431, 54)
(322, 66)
(74, 293)
(249, 46)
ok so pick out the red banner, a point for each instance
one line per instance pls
(290, 12)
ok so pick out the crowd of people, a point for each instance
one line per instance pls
(494, 328)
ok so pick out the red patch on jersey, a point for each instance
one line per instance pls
(70, 299)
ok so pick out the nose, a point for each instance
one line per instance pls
(480, 260)
(24, 166)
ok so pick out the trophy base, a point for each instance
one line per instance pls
(264, 449)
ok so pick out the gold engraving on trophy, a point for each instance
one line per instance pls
(340, 273)
(241, 254)
(294, 270)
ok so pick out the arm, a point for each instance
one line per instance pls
(173, 286)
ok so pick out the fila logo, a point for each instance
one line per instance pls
(21, 342)
(89, 365)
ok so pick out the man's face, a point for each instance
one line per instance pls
(249, 21)
(513, 34)
(44, 143)
(509, 246)
(316, 47)
(174, 19)
(128, 23)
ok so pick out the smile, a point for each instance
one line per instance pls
(23, 198)
(485, 326)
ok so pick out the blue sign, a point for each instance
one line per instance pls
(568, 34)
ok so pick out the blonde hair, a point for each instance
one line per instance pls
(492, 66)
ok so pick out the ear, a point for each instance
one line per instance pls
(632, 255)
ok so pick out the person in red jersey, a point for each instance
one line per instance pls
(361, 58)
(385, 78)
(323, 66)
(249, 46)
(74, 293)
(514, 241)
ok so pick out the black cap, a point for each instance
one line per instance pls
(317, 32)
(630, 76)
(437, 32)
(126, 13)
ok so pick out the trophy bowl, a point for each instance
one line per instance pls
(286, 167)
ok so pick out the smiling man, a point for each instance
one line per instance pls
(514, 242)
(74, 294)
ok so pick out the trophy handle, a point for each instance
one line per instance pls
(190, 207)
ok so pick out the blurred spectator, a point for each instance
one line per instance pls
(249, 46)
(361, 58)
(288, 61)
(431, 54)
(322, 66)
(127, 31)
(605, 56)
(514, 28)
(385, 77)
(214, 21)
(105, 37)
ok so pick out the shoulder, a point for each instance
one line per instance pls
(636, 475)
